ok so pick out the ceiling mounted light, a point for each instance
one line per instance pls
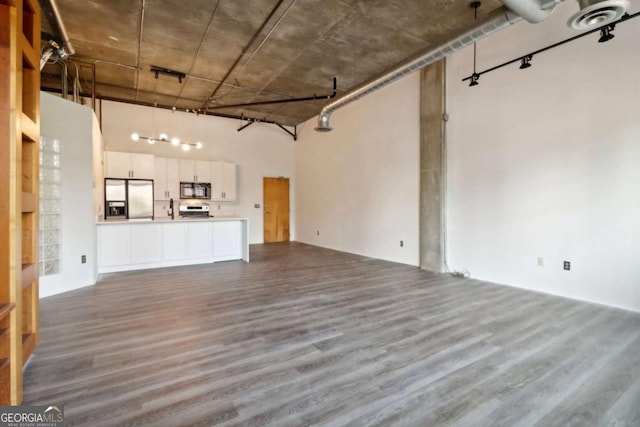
(163, 137)
(526, 62)
(475, 76)
(605, 33)
(595, 13)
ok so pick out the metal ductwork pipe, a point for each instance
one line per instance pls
(493, 23)
(51, 9)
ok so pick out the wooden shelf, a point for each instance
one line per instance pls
(5, 309)
(29, 54)
(28, 345)
(30, 130)
(20, 130)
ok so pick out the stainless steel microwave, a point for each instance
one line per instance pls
(195, 190)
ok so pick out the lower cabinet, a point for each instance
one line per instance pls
(126, 244)
(174, 241)
(131, 246)
(115, 244)
(227, 240)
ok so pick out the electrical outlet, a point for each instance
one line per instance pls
(83, 259)
(317, 232)
(567, 265)
(540, 261)
(257, 206)
(401, 243)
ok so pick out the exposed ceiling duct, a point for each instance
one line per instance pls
(595, 13)
(62, 47)
(531, 10)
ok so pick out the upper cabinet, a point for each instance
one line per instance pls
(223, 181)
(166, 179)
(195, 171)
(129, 165)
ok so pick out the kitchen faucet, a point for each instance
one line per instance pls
(170, 213)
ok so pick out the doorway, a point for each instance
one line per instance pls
(276, 209)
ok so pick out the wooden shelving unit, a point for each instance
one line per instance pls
(19, 187)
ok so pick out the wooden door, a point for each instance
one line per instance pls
(276, 209)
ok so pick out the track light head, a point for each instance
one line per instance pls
(605, 34)
(525, 62)
(474, 79)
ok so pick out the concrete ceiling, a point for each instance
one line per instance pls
(281, 48)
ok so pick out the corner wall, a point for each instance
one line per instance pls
(358, 185)
(543, 162)
(72, 124)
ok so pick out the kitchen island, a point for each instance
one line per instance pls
(125, 245)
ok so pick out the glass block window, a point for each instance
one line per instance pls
(49, 245)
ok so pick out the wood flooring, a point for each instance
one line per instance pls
(308, 336)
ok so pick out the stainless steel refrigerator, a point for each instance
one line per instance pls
(138, 195)
(140, 198)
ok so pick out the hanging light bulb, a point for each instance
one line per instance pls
(198, 145)
(185, 147)
(175, 141)
(135, 136)
(164, 137)
(151, 141)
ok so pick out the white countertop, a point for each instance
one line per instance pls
(163, 220)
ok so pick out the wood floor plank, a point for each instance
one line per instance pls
(306, 336)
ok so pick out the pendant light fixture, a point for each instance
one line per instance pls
(163, 137)
(475, 76)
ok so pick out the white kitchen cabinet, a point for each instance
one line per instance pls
(145, 244)
(195, 171)
(166, 183)
(114, 241)
(129, 165)
(223, 182)
(199, 240)
(126, 244)
(227, 240)
(174, 241)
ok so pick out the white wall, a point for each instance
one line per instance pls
(73, 125)
(358, 185)
(261, 150)
(544, 162)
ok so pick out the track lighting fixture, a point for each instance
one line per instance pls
(526, 62)
(605, 33)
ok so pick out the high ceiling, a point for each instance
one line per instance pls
(244, 51)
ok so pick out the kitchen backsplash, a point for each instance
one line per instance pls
(162, 207)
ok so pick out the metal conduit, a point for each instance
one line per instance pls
(493, 23)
